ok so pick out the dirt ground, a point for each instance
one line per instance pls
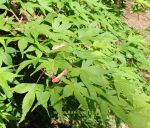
(139, 21)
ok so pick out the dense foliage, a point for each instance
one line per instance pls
(76, 59)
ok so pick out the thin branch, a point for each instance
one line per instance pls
(15, 15)
(43, 72)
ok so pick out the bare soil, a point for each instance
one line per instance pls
(139, 20)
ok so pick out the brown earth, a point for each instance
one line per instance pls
(139, 20)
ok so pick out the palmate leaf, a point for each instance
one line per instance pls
(28, 6)
(68, 90)
(5, 86)
(62, 63)
(2, 41)
(42, 97)
(36, 28)
(79, 91)
(26, 63)
(59, 26)
(52, 65)
(5, 76)
(139, 119)
(121, 86)
(22, 88)
(55, 100)
(45, 4)
(104, 108)
(79, 95)
(32, 91)
(5, 57)
(48, 65)
(89, 86)
(120, 113)
(27, 102)
(95, 74)
(99, 69)
(2, 5)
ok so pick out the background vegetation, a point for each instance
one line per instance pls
(71, 63)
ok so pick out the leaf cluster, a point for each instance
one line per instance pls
(104, 59)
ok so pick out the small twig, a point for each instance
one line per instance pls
(43, 72)
(47, 74)
(15, 15)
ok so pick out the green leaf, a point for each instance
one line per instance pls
(42, 98)
(22, 88)
(120, 113)
(4, 77)
(45, 4)
(79, 96)
(60, 26)
(7, 59)
(63, 64)
(22, 44)
(95, 75)
(48, 65)
(10, 50)
(2, 41)
(2, 1)
(56, 102)
(68, 91)
(23, 65)
(75, 72)
(2, 124)
(5, 86)
(27, 103)
(138, 119)
(104, 109)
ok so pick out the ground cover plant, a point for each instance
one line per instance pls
(77, 60)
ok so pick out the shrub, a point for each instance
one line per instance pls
(76, 58)
(140, 5)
